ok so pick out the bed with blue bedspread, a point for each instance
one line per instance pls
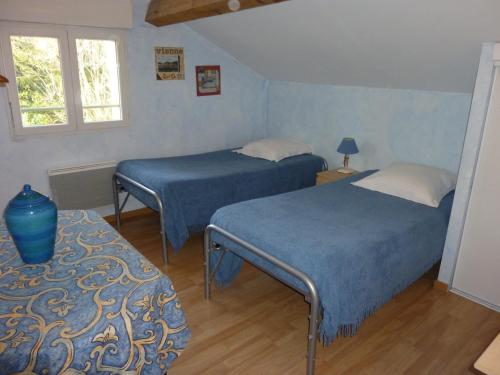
(193, 187)
(359, 247)
(97, 307)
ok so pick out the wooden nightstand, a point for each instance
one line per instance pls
(331, 176)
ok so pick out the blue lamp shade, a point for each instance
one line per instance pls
(348, 146)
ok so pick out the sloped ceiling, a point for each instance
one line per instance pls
(426, 44)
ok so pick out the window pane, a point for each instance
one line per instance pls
(99, 80)
(37, 62)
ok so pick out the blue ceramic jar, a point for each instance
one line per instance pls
(31, 219)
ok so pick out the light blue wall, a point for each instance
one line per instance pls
(171, 114)
(167, 118)
(388, 125)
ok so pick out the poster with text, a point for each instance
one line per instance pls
(169, 63)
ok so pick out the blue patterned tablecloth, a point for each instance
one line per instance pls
(97, 307)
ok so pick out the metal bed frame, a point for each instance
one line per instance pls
(119, 208)
(310, 296)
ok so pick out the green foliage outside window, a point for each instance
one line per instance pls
(39, 81)
(40, 86)
(98, 71)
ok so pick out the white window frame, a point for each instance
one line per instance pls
(119, 37)
(66, 36)
(37, 31)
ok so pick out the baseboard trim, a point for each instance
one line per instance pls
(129, 214)
(476, 299)
(439, 285)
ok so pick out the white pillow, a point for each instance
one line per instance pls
(274, 149)
(414, 182)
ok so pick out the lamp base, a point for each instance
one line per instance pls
(345, 170)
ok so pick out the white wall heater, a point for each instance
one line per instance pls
(83, 186)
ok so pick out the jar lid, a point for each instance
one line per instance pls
(28, 198)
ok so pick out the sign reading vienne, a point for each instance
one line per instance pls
(169, 63)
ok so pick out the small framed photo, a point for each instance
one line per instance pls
(169, 63)
(208, 80)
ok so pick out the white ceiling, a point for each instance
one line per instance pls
(425, 44)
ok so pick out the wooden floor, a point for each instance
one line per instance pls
(259, 326)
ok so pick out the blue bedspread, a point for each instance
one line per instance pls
(193, 187)
(97, 307)
(360, 247)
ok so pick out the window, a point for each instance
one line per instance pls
(65, 78)
(37, 62)
(99, 80)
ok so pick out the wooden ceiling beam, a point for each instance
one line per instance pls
(168, 12)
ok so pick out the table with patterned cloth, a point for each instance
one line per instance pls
(98, 306)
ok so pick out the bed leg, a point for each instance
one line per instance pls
(164, 248)
(325, 165)
(313, 331)
(164, 242)
(155, 195)
(116, 202)
(206, 250)
(162, 232)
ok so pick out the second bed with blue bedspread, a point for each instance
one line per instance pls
(360, 247)
(193, 187)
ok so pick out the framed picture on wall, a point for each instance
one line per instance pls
(208, 80)
(169, 62)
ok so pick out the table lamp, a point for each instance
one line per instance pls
(347, 147)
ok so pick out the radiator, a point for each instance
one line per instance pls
(83, 186)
